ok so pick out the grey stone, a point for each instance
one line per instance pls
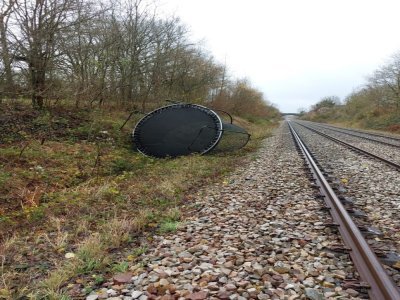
(313, 294)
(136, 294)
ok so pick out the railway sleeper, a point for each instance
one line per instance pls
(369, 231)
(356, 213)
(346, 200)
(338, 248)
(326, 208)
(331, 224)
(354, 284)
(391, 259)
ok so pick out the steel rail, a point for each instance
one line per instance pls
(366, 262)
(386, 161)
(352, 134)
(365, 132)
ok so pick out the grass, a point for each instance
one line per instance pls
(120, 267)
(169, 226)
(170, 222)
(84, 191)
(364, 117)
(59, 240)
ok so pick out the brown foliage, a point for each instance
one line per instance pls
(243, 100)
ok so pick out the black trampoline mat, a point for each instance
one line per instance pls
(176, 130)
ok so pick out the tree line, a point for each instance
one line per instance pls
(376, 104)
(382, 89)
(119, 52)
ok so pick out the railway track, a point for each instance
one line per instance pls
(366, 261)
(358, 136)
(353, 147)
(393, 138)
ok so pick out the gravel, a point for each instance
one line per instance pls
(392, 138)
(388, 152)
(373, 186)
(262, 233)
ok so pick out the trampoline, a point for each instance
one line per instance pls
(183, 129)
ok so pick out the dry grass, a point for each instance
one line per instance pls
(91, 197)
(119, 231)
(91, 254)
(58, 239)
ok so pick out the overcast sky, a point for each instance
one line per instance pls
(295, 51)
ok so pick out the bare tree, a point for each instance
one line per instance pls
(116, 51)
(87, 49)
(387, 79)
(6, 59)
(41, 24)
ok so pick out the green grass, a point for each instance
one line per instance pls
(139, 251)
(120, 165)
(4, 177)
(93, 189)
(120, 267)
(169, 226)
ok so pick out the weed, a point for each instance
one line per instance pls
(30, 198)
(121, 165)
(91, 255)
(140, 221)
(9, 243)
(151, 217)
(98, 279)
(117, 231)
(5, 292)
(34, 213)
(161, 203)
(4, 177)
(87, 290)
(169, 226)
(139, 251)
(107, 192)
(59, 239)
(6, 221)
(173, 214)
(82, 227)
(120, 267)
(50, 288)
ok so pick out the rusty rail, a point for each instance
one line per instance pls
(386, 161)
(352, 134)
(370, 269)
(365, 132)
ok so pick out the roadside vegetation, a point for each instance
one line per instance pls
(376, 105)
(79, 188)
(76, 202)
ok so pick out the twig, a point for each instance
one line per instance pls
(129, 117)
(97, 161)
(23, 148)
(174, 101)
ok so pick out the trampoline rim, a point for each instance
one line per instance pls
(220, 130)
